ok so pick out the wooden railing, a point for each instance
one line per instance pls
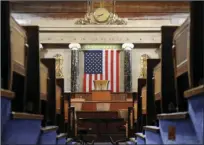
(121, 96)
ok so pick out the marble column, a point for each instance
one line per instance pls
(74, 66)
(127, 66)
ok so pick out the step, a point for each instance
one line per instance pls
(70, 141)
(194, 92)
(7, 94)
(6, 97)
(152, 129)
(61, 139)
(172, 116)
(22, 128)
(153, 135)
(140, 138)
(130, 143)
(195, 98)
(74, 143)
(48, 135)
(177, 128)
(133, 140)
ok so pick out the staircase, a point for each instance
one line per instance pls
(178, 128)
(25, 128)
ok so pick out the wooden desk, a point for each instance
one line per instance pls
(114, 105)
(102, 131)
(101, 95)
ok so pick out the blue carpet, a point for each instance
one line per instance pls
(140, 140)
(48, 137)
(130, 143)
(61, 141)
(21, 131)
(5, 111)
(185, 133)
(153, 137)
(196, 111)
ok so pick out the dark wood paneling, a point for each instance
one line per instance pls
(141, 83)
(50, 64)
(167, 70)
(18, 86)
(60, 82)
(32, 83)
(49, 6)
(67, 96)
(151, 7)
(121, 6)
(151, 110)
(71, 9)
(71, 122)
(70, 15)
(5, 46)
(197, 43)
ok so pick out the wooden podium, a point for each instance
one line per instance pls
(101, 92)
(101, 84)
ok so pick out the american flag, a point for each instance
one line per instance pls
(101, 65)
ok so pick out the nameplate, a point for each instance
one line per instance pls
(172, 133)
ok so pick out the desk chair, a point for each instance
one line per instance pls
(82, 132)
(117, 141)
(122, 128)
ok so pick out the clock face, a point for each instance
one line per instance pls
(101, 15)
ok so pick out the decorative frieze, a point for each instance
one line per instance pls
(100, 37)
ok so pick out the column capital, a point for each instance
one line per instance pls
(128, 46)
(74, 46)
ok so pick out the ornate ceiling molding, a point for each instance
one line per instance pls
(101, 12)
(100, 38)
(114, 19)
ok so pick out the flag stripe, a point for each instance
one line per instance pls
(90, 82)
(85, 83)
(114, 70)
(106, 65)
(109, 68)
(110, 71)
(117, 71)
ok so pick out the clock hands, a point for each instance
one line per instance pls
(100, 15)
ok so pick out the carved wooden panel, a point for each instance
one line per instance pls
(86, 96)
(135, 110)
(144, 100)
(66, 110)
(114, 96)
(18, 41)
(58, 97)
(157, 81)
(131, 120)
(92, 105)
(43, 81)
(181, 40)
(118, 96)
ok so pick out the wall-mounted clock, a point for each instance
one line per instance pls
(101, 15)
